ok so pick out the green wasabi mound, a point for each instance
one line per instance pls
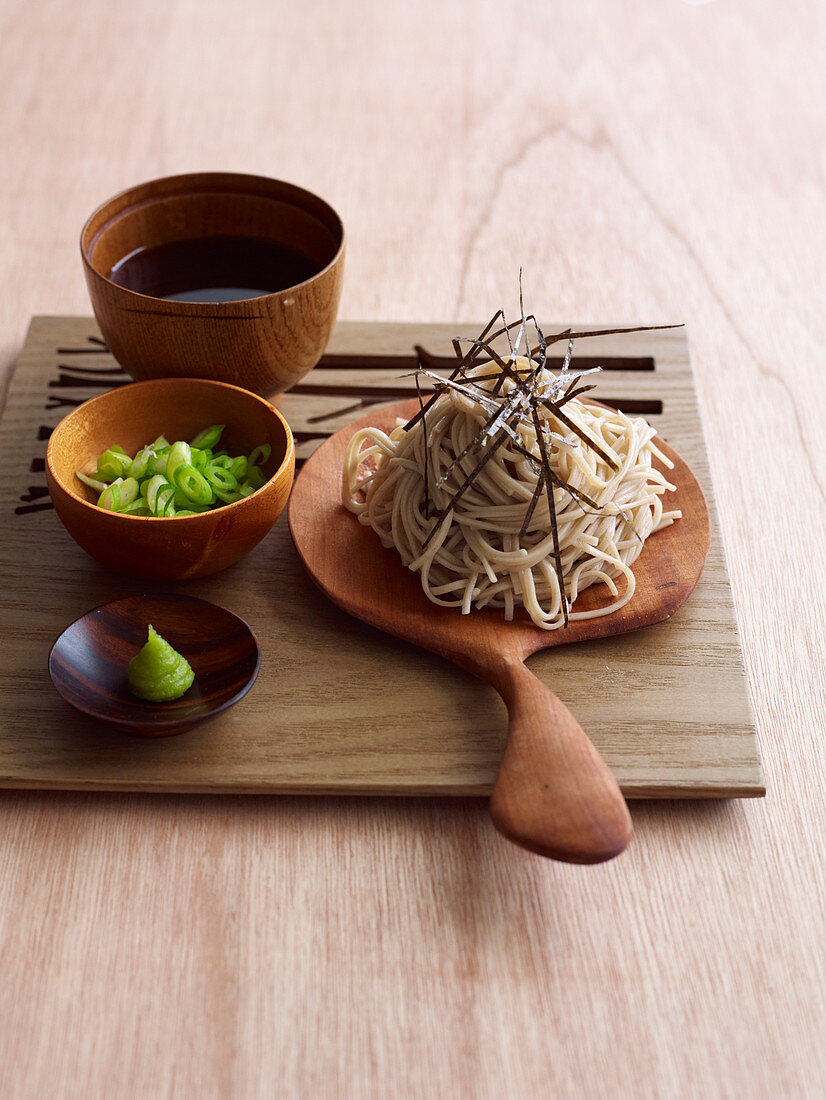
(159, 673)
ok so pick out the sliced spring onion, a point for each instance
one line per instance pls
(111, 496)
(180, 454)
(140, 463)
(260, 454)
(209, 436)
(138, 507)
(239, 466)
(160, 496)
(113, 463)
(92, 482)
(165, 501)
(220, 478)
(119, 494)
(175, 479)
(183, 502)
(194, 486)
(255, 478)
(222, 460)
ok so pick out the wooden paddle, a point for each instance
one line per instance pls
(554, 794)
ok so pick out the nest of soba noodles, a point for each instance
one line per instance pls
(506, 489)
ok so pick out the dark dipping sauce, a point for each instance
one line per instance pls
(213, 269)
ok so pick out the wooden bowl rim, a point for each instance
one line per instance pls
(203, 178)
(213, 514)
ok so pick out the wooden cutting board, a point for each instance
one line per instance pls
(339, 707)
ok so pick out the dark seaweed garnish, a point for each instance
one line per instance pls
(426, 459)
(549, 487)
(519, 406)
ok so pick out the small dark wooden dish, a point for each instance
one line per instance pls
(88, 662)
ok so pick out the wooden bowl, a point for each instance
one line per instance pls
(88, 662)
(264, 344)
(175, 548)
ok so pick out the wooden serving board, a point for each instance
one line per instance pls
(338, 706)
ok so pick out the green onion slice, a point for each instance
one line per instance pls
(157, 464)
(255, 478)
(260, 454)
(180, 455)
(168, 479)
(194, 486)
(239, 467)
(113, 464)
(137, 507)
(140, 463)
(92, 482)
(209, 437)
(220, 478)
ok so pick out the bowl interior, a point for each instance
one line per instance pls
(212, 205)
(88, 662)
(133, 415)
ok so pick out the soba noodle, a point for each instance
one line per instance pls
(482, 553)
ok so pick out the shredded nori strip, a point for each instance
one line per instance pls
(567, 360)
(443, 384)
(546, 469)
(469, 360)
(537, 493)
(603, 332)
(554, 407)
(577, 494)
(461, 365)
(512, 411)
(571, 393)
(426, 459)
(475, 443)
(509, 409)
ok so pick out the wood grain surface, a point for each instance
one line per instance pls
(655, 161)
(673, 719)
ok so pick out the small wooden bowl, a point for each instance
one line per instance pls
(89, 660)
(176, 548)
(264, 344)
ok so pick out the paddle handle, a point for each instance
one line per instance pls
(554, 793)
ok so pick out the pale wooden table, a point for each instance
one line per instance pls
(639, 161)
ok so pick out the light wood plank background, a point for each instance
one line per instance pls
(639, 160)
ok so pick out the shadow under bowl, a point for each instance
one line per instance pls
(88, 662)
(264, 343)
(173, 548)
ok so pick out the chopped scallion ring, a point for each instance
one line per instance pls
(260, 454)
(208, 437)
(175, 479)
